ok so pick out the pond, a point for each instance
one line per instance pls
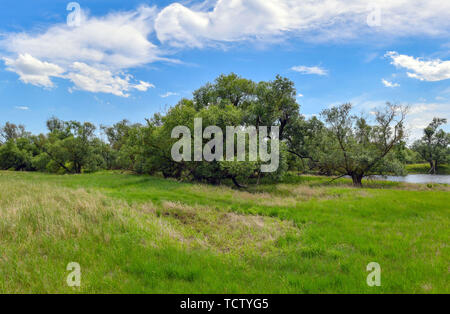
(416, 178)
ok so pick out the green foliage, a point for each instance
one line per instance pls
(338, 144)
(41, 162)
(350, 146)
(12, 158)
(425, 169)
(434, 146)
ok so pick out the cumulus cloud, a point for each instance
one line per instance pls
(118, 42)
(310, 70)
(389, 84)
(238, 20)
(121, 41)
(33, 71)
(91, 79)
(424, 70)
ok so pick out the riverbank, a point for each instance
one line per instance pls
(425, 169)
(145, 234)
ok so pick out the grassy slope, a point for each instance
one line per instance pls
(144, 234)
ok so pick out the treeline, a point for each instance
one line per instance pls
(339, 143)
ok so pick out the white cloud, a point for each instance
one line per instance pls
(143, 86)
(168, 94)
(22, 108)
(424, 70)
(33, 71)
(120, 41)
(239, 20)
(90, 79)
(309, 70)
(116, 42)
(389, 84)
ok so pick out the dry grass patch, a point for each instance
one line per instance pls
(39, 212)
(264, 198)
(226, 231)
(305, 192)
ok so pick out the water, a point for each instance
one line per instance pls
(417, 178)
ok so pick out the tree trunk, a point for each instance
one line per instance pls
(432, 167)
(357, 180)
(236, 183)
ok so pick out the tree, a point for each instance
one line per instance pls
(71, 146)
(12, 158)
(341, 144)
(353, 147)
(11, 131)
(118, 133)
(434, 145)
(18, 148)
(304, 138)
(234, 101)
(227, 89)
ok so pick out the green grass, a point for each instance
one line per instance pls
(425, 169)
(141, 234)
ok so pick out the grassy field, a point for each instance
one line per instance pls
(425, 169)
(139, 234)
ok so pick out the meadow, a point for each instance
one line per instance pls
(143, 234)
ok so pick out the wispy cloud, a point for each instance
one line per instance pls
(389, 84)
(22, 108)
(168, 94)
(309, 70)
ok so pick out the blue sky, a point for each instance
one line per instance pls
(130, 59)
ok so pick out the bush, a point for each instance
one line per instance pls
(11, 157)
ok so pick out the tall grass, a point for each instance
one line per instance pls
(144, 234)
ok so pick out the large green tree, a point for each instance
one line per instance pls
(70, 146)
(353, 147)
(229, 101)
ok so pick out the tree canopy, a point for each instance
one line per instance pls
(353, 147)
(336, 143)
